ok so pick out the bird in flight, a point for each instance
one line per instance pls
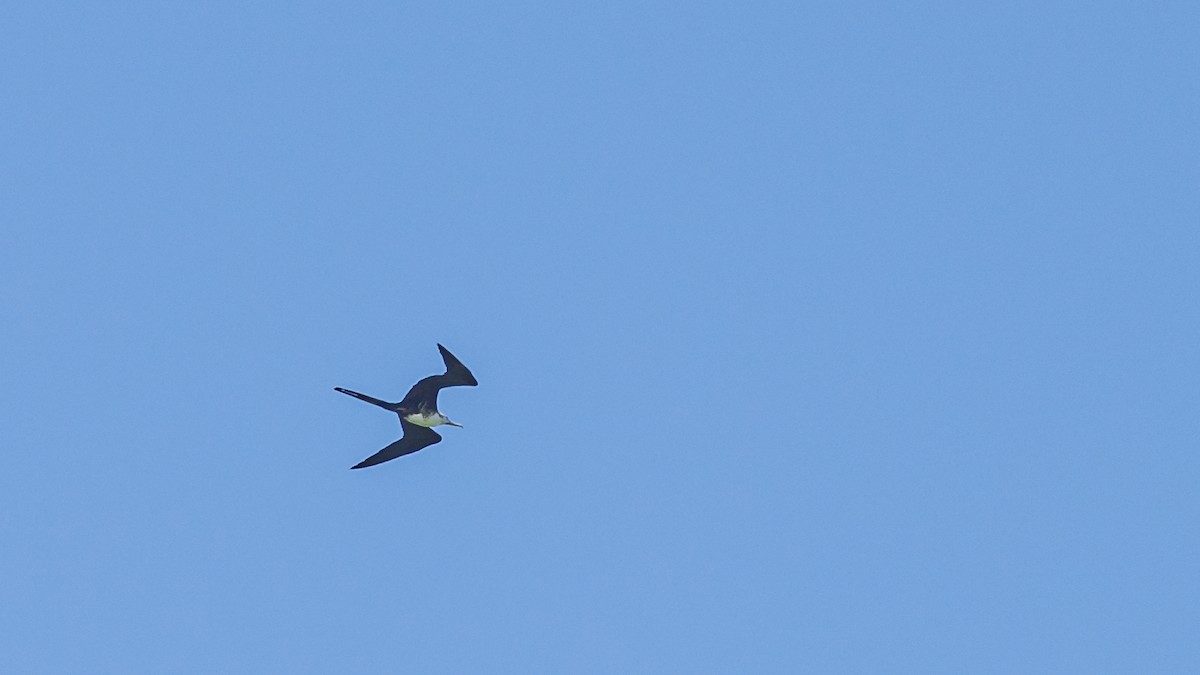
(418, 410)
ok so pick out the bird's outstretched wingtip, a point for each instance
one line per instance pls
(366, 463)
(456, 373)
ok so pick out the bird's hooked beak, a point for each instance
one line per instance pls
(454, 424)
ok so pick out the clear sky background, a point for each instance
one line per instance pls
(811, 337)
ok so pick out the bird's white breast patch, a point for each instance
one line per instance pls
(427, 420)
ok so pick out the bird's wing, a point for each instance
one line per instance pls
(424, 393)
(415, 437)
(457, 374)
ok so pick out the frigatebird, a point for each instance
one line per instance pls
(418, 410)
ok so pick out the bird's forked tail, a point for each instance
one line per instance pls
(368, 399)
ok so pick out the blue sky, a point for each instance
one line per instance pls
(811, 337)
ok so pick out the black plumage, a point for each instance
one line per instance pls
(418, 410)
